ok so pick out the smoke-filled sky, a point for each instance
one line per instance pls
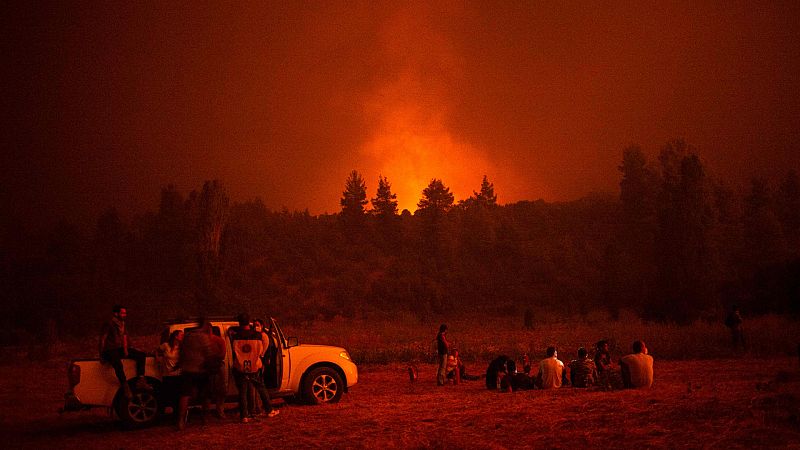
(105, 103)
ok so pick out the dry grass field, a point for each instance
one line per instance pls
(721, 401)
(742, 403)
(406, 339)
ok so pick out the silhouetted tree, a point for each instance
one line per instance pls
(354, 196)
(384, 205)
(763, 232)
(767, 258)
(486, 197)
(109, 251)
(638, 189)
(630, 265)
(477, 223)
(213, 210)
(436, 199)
(170, 243)
(437, 241)
(384, 208)
(789, 210)
(686, 261)
(352, 217)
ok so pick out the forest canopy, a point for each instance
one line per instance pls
(676, 245)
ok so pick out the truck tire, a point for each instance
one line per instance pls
(142, 410)
(322, 385)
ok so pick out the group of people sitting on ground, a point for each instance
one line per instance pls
(192, 365)
(634, 370)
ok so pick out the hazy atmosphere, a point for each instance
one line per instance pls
(105, 103)
(566, 191)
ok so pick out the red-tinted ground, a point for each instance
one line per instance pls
(731, 403)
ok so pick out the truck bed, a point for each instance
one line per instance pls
(99, 383)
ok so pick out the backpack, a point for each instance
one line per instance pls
(246, 355)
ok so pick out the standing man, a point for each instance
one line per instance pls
(734, 322)
(114, 348)
(443, 348)
(637, 368)
(217, 372)
(528, 319)
(196, 354)
(248, 348)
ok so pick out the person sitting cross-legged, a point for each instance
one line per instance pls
(637, 368)
(582, 371)
(551, 371)
(456, 370)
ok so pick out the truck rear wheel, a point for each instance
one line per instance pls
(140, 411)
(322, 385)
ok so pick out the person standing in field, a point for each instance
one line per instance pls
(551, 371)
(637, 368)
(443, 348)
(528, 319)
(734, 322)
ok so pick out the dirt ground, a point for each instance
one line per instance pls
(742, 403)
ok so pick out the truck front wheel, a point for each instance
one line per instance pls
(322, 385)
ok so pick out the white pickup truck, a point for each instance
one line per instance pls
(316, 373)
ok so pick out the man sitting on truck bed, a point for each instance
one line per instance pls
(114, 347)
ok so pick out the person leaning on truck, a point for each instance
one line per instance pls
(197, 351)
(114, 347)
(248, 348)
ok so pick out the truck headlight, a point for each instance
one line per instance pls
(345, 355)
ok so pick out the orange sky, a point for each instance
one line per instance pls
(107, 103)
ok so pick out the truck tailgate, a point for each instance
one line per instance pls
(99, 384)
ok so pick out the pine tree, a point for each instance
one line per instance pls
(638, 188)
(213, 207)
(789, 208)
(436, 198)
(354, 196)
(486, 197)
(686, 256)
(385, 202)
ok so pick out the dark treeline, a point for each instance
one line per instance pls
(677, 245)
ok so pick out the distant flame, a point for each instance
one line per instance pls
(410, 146)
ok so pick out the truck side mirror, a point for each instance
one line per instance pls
(292, 342)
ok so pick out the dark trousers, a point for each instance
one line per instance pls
(245, 382)
(115, 357)
(171, 387)
(737, 336)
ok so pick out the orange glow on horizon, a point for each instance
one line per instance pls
(411, 149)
